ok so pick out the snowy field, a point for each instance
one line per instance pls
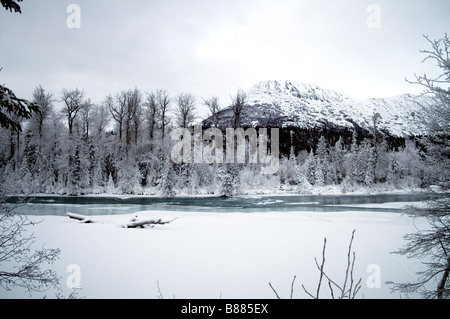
(224, 255)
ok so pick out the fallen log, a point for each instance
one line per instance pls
(134, 223)
(81, 218)
(143, 223)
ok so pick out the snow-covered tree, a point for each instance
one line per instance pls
(163, 100)
(14, 109)
(167, 182)
(194, 181)
(214, 109)
(394, 172)
(129, 177)
(322, 165)
(97, 180)
(152, 114)
(287, 171)
(77, 174)
(238, 102)
(437, 141)
(368, 157)
(382, 161)
(73, 103)
(303, 186)
(433, 243)
(310, 168)
(356, 165)
(228, 180)
(110, 187)
(38, 120)
(20, 267)
(12, 5)
(31, 155)
(337, 159)
(185, 109)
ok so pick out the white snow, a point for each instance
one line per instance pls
(395, 205)
(308, 106)
(227, 255)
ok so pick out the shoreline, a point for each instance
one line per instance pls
(324, 191)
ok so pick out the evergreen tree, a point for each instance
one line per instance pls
(319, 175)
(185, 170)
(167, 179)
(226, 178)
(92, 160)
(110, 187)
(74, 177)
(321, 170)
(30, 154)
(311, 168)
(97, 180)
(369, 154)
(46, 180)
(303, 186)
(129, 177)
(11, 180)
(78, 179)
(357, 163)
(411, 160)
(13, 110)
(194, 181)
(288, 175)
(382, 161)
(337, 158)
(110, 166)
(393, 172)
(321, 151)
(26, 179)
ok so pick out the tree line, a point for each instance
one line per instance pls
(122, 146)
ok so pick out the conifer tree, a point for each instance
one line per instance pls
(311, 168)
(110, 187)
(194, 181)
(338, 161)
(226, 178)
(167, 179)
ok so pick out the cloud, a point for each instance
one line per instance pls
(214, 47)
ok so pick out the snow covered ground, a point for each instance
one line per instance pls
(224, 255)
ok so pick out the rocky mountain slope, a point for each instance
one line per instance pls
(305, 106)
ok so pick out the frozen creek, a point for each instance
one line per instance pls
(223, 248)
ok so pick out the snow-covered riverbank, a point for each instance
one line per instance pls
(218, 255)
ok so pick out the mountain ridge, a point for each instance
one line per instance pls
(285, 103)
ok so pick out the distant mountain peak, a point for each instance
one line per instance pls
(285, 103)
(308, 105)
(295, 89)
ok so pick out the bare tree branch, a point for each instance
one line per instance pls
(16, 247)
(345, 293)
(292, 286)
(276, 294)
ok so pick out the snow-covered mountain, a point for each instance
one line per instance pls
(293, 104)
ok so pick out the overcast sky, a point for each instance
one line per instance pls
(209, 47)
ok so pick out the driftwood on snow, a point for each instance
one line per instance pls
(143, 223)
(81, 218)
(134, 223)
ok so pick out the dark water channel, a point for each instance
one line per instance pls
(85, 205)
